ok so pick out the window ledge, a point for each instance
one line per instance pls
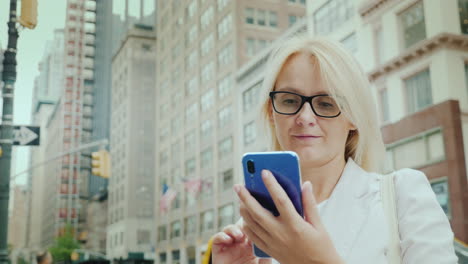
(419, 50)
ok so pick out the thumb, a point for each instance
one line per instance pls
(310, 205)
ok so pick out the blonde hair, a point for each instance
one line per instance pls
(347, 84)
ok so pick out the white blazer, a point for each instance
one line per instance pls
(354, 217)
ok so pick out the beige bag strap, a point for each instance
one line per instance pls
(387, 188)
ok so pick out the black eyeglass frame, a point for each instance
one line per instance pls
(303, 98)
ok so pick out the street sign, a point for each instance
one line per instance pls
(26, 135)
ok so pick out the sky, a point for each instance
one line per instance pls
(31, 44)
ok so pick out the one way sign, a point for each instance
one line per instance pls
(26, 135)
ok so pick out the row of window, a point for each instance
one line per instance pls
(225, 147)
(143, 237)
(225, 57)
(260, 17)
(207, 218)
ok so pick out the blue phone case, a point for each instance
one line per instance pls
(285, 167)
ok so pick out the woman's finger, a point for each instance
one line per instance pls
(310, 205)
(235, 232)
(260, 214)
(280, 198)
(221, 240)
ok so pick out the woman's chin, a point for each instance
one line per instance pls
(308, 154)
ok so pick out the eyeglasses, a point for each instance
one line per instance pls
(289, 103)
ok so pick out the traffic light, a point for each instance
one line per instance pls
(101, 163)
(28, 17)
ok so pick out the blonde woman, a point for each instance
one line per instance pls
(318, 103)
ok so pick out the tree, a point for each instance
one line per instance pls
(64, 246)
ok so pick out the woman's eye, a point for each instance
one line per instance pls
(289, 101)
(326, 105)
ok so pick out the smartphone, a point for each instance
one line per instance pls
(284, 166)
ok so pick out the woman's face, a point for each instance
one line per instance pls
(317, 140)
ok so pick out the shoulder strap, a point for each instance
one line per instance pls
(387, 187)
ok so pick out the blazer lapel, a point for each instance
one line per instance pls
(345, 212)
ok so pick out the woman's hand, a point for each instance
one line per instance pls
(231, 246)
(288, 238)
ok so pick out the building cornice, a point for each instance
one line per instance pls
(425, 47)
(370, 6)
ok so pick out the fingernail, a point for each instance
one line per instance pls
(226, 237)
(265, 173)
(237, 232)
(308, 185)
(237, 188)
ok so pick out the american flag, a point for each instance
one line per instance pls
(168, 196)
(193, 185)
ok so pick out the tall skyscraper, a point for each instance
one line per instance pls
(201, 45)
(130, 208)
(47, 90)
(70, 126)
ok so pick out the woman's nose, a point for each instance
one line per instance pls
(306, 116)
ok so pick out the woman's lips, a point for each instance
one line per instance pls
(306, 137)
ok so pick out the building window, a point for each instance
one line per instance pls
(190, 167)
(207, 100)
(191, 86)
(190, 142)
(207, 158)
(191, 60)
(412, 21)
(250, 47)
(225, 147)
(175, 229)
(191, 113)
(175, 256)
(190, 225)
(222, 4)
(208, 72)
(224, 26)
(207, 219)
(162, 258)
(225, 86)
(227, 180)
(249, 97)
(206, 18)
(207, 44)
(249, 133)
(350, 43)
(384, 106)
(226, 215)
(143, 237)
(421, 150)
(332, 15)
(418, 91)
(206, 129)
(224, 116)
(466, 75)
(463, 9)
(292, 19)
(191, 36)
(441, 190)
(192, 9)
(261, 17)
(249, 16)
(273, 18)
(225, 55)
(379, 43)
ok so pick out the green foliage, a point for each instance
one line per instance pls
(21, 260)
(64, 246)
